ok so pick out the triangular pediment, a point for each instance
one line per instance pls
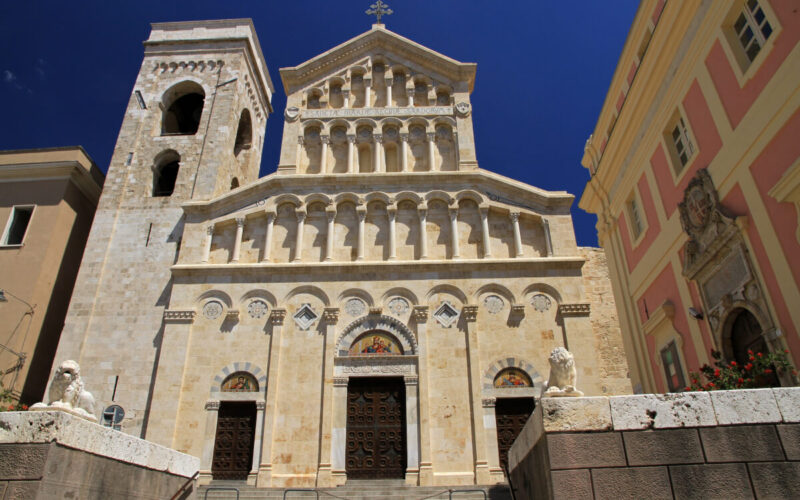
(389, 44)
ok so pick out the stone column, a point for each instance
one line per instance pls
(391, 210)
(389, 93)
(212, 416)
(330, 316)
(260, 406)
(514, 216)
(470, 315)
(487, 242)
(431, 154)
(547, 239)
(361, 211)
(411, 94)
(276, 318)
(237, 243)
(412, 429)
(331, 214)
(346, 96)
(301, 141)
(339, 430)
(423, 232)
(377, 152)
(490, 429)
(298, 242)
(454, 232)
(351, 142)
(367, 92)
(323, 159)
(268, 235)
(420, 315)
(209, 238)
(404, 152)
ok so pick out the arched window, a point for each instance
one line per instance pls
(511, 378)
(376, 343)
(314, 100)
(165, 173)
(183, 106)
(234, 183)
(746, 335)
(244, 134)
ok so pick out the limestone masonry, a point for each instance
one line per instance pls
(379, 306)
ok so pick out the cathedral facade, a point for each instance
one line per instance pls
(379, 306)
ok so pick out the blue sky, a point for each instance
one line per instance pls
(67, 70)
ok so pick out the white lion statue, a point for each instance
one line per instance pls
(563, 375)
(66, 393)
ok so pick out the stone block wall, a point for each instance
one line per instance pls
(726, 444)
(57, 455)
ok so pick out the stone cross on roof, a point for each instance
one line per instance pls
(379, 9)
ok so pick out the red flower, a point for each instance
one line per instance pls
(24, 407)
(711, 384)
(750, 351)
(760, 355)
(767, 371)
(694, 380)
(741, 380)
(748, 366)
(733, 363)
(786, 351)
(752, 358)
(716, 372)
(11, 407)
(687, 388)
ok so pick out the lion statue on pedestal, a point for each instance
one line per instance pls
(563, 375)
(67, 394)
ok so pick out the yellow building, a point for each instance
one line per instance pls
(695, 179)
(47, 201)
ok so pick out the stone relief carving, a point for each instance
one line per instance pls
(463, 108)
(378, 112)
(355, 307)
(212, 309)
(563, 375)
(291, 114)
(257, 308)
(541, 302)
(67, 394)
(179, 316)
(398, 306)
(493, 303)
(446, 314)
(305, 317)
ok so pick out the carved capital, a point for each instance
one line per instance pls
(271, 215)
(210, 230)
(470, 313)
(301, 215)
(261, 405)
(391, 210)
(361, 211)
(330, 213)
(378, 138)
(232, 315)
(404, 136)
(301, 140)
(331, 315)
(411, 380)
(179, 316)
(421, 314)
(422, 211)
(574, 309)
(431, 136)
(212, 404)
(514, 216)
(340, 381)
(325, 139)
(453, 213)
(277, 316)
(489, 402)
(484, 210)
(518, 309)
(376, 311)
(240, 222)
(351, 138)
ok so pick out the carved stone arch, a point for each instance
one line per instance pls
(240, 366)
(378, 196)
(494, 288)
(408, 195)
(314, 124)
(336, 80)
(419, 122)
(355, 292)
(288, 198)
(400, 292)
(390, 121)
(543, 288)
(259, 293)
(445, 120)
(439, 195)
(724, 331)
(348, 198)
(487, 383)
(422, 78)
(215, 294)
(358, 69)
(175, 90)
(316, 291)
(339, 122)
(317, 198)
(449, 289)
(469, 194)
(366, 122)
(393, 326)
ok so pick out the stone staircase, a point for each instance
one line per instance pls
(356, 490)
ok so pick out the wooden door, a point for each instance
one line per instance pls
(376, 423)
(511, 415)
(233, 447)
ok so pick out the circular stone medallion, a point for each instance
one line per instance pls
(212, 309)
(540, 302)
(398, 306)
(355, 307)
(493, 303)
(257, 308)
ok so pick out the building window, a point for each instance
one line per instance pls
(672, 367)
(17, 225)
(635, 215)
(183, 107)
(165, 173)
(112, 417)
(679, 143)
(752, 29)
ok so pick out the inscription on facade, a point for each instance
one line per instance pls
(377, 112)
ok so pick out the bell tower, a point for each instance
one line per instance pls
(193, 130)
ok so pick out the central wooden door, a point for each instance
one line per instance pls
(511, 415)
(376, 424)
(233, 447)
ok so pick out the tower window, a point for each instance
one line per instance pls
(679, 142)
(183, 106)
(234, 183)
(752, 29)
(244, 134)
(17, 225)
(635, 216)
(165, 173)
(672, 367)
